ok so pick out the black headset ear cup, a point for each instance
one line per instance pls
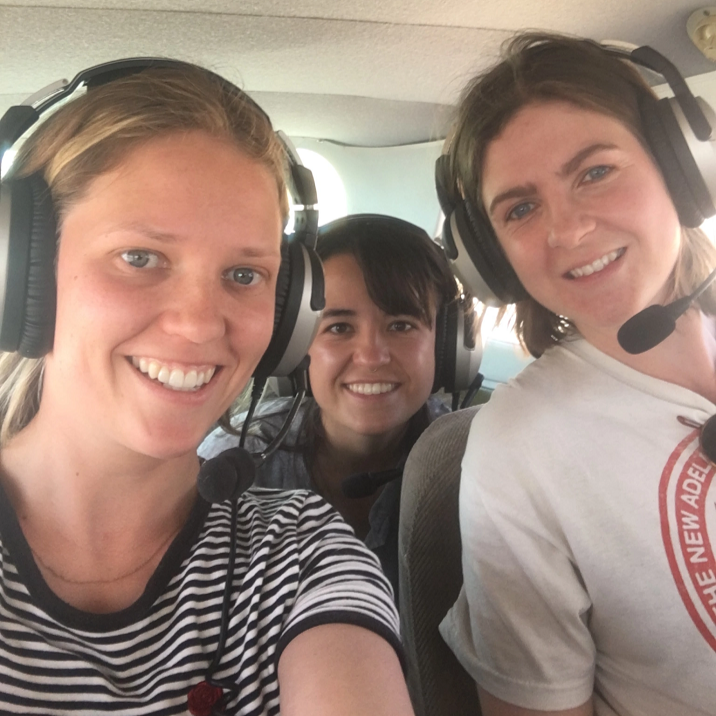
(493, 265)
(440, 345)
(446, 347)
(28, 315)
(299, 301)
(664, 144)
(38, 325)
(283, 284)
(457, 356)
(273, 353)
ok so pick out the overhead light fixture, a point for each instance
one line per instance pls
(701, 27)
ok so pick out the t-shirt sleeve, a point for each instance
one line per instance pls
(340, 580)
(520, 625)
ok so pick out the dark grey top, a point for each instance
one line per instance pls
(286, 469)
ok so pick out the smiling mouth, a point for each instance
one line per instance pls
(172, 377)
(371, 388)
(597, 265)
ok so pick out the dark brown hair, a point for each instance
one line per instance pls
(405, 272)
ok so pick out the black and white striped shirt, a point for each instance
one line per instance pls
(298, 565)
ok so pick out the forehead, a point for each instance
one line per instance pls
(187, 186)
(194, 163)
(344, 279)
(542, 136)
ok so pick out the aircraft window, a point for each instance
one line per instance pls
(709, 227)
(503, 356)
(332, 200)
(6, 161)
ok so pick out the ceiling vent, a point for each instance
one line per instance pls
(701, 27)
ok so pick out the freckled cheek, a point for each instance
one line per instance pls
(526, 260)
(86, 303)
(257, 321)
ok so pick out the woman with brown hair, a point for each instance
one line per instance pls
(587, 553)
(379, 353)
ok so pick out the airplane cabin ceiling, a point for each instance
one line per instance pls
(361, 72)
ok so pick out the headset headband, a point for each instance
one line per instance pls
(19, 118)
(648, 57)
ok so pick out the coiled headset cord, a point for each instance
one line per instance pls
(227, 477)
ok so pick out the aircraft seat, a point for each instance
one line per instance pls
(430, 568)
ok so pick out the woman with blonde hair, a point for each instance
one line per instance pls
(121, 589)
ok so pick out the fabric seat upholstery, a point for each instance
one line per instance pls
(430, 567)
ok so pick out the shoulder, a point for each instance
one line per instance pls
(282, 516)
(550, 384)
(266, 423)
(296, 534)
(436, 408)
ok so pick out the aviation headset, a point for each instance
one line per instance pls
(677, 130)
(28, 237)
(457, 354)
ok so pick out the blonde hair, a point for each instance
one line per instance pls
(540, 67)
(92, 134)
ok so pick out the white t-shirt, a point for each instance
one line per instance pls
(588, 520)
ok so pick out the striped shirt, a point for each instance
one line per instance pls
(298, 565)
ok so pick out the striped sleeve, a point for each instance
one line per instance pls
(340, 580)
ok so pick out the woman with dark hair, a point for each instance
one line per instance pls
(121, 589)
(586, 503)
(372, 370)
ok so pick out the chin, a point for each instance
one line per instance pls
(166, 445)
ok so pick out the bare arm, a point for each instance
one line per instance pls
(341, 669)
(492, 706)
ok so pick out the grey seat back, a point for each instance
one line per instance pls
(430, 567)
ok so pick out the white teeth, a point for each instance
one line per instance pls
(371, 388)
(597, 265)
(173, 378)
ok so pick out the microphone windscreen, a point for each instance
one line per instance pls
(646, 329)
(226, 476)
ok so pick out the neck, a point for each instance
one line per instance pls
(340, 455)
(90, 492)
(348, 452)
(686, 358)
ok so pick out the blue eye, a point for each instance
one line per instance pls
(597, 173)
(139, 258)
(243, 276)
(520, 211)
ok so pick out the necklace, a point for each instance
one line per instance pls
(131, 572)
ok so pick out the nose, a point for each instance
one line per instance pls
(371, 350)
(569, 223)
(194, 311)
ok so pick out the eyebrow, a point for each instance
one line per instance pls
(567, 168)
(580, 156)
(167, 238)
(337, 312)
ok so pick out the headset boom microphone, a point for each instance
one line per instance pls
(654, 324)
